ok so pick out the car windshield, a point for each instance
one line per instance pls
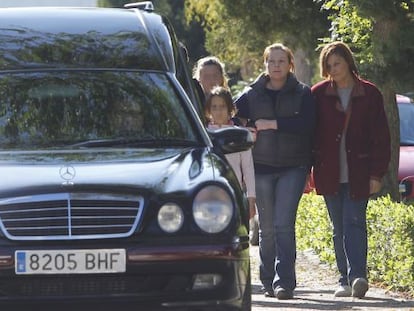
(406, 112)
(74, 109)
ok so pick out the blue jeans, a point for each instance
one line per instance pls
(277, 198)
(348, 218)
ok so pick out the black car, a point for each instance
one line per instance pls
(111, 189)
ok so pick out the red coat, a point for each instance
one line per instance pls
(367, 138)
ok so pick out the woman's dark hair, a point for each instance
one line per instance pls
(224, 93)
(338, 48)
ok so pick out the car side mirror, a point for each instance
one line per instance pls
(231, 139)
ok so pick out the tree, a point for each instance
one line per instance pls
(111, 3)
(190, 33)
(380, 33)
(238, 31)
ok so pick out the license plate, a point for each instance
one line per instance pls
(70, 261)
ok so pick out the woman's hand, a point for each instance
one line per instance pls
(252, 207)
(262, 124)
(253, 131)
(374, 186)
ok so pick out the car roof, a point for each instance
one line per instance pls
(84, 37)
(402, 99)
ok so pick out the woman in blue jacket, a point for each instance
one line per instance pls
(280, 110)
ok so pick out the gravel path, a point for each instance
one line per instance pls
(316, 285)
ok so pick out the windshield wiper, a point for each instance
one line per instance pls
(136, 142)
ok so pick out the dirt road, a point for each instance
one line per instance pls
(316, 285)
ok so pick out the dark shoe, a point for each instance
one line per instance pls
(268, 291)
(359, 287)
(283, 293)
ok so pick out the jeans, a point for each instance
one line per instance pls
(348, 218)
(277, 198)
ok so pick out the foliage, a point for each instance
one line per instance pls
(298, 22)
(111, 3)
(222, 33)
(350, 28)
(313, 229)
(239, 38)
(390, 238)
(391, 243)
(191, 33)
(380, 33)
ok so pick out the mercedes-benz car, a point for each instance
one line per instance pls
(111, 189)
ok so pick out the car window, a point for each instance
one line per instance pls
(123, 43)
(406, 112)
(54, 108)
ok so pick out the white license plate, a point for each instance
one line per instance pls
(70, 261)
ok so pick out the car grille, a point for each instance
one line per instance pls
(67, 286)
(61, 216)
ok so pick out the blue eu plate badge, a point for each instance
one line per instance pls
(21, 262)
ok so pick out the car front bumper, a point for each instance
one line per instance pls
(198, 277)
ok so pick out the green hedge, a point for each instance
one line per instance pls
(390, 239)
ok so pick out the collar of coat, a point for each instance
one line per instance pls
(290, 84)
(357, 90)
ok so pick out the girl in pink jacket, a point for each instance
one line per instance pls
(219, 111)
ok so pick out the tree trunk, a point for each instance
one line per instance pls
(390, 181)
(303, 69)
(383, 30)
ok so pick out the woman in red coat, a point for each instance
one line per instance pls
(352, 153)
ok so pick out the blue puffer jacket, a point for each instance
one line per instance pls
(291, 144)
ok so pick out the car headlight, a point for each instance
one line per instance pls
(212, 209)
(170, 217)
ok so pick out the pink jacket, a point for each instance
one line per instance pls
(243, 167)
(367, 138)
(242, 164)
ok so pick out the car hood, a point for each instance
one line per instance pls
(156, 169)
(406, 166)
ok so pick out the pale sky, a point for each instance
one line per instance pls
(18, 3)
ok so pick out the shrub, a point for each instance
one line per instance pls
(391, 243)
(313, 229)
(390, 238)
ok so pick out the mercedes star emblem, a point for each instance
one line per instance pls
(67, 173)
